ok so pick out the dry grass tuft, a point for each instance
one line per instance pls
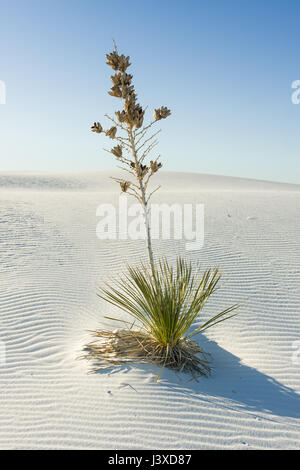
(130, 346)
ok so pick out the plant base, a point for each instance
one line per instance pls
(129, 346)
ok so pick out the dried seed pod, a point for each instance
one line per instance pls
(134, 112)
(139, 116)
(127, 90)
(155, 166)
(117, 151)
(121, 115)
(126, 78)
(156, 115)
(120, 79)
(97, 127)
(125, 185)
(161, 113)
(130, 102)
(113, 60)
(117, 62)
(164, 112)
(123, 63)
(116, 79)
(115, 91)
(141, 170)
(111, 132)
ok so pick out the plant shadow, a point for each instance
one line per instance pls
(251, 389)
(241, 385)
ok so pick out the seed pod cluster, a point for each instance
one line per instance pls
(115, 91)
(111, 132)
(118, 62)
(96, 127)
(121, 85)
(155, 166)
(120, 79)
(140, 170)
(161, 113)
(125, 186)
(121, 115)
(117, 151)
(133, 113)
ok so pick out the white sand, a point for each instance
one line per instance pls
(51, 262)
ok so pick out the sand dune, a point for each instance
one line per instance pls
(52, 261)
(101, 181)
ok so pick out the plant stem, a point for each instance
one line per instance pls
(143, 195)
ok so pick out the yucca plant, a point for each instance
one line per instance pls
(164, 302)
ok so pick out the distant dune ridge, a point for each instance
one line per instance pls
(51, 263)
(170, 180)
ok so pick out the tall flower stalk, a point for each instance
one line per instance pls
(134, 144)
(165, 300)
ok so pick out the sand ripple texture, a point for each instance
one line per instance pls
(51, 263)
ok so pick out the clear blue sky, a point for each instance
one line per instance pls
(224, 68)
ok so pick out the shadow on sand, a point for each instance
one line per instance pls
(250, 389)
(244, 387)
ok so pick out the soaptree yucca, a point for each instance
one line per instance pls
(163, 300)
